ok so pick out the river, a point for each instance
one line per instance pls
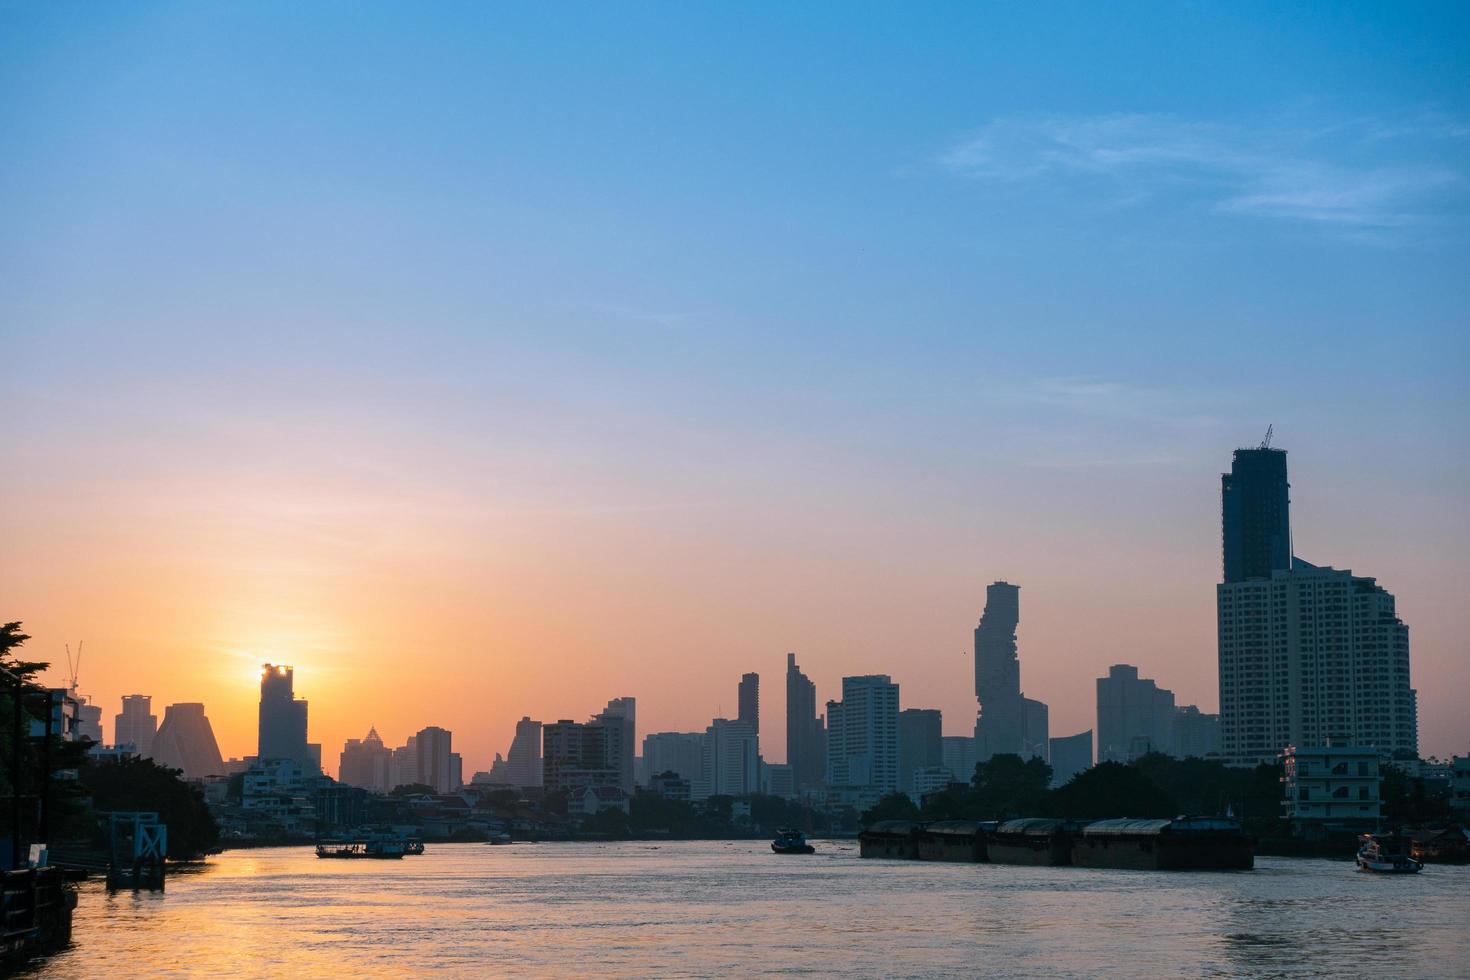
(732, 908)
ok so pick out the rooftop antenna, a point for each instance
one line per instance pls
(74, 667)
(1266, 442)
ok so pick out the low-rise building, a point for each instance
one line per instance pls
(1331, 788)
(1460, 786)
(594, 799)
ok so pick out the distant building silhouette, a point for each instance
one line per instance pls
(958, 754)
(282, 733)
(862, 739)
(729, 760)
(806, 750)
(595, 753)
(1134, 716)
(366, 763)
(523, 764)
(620, 717)
(434, 759)
(1008, 721)
(185, 741)
(920, 744)
(1069, 756)
(136, 725)
(1255, 515)
(680, 753)
(1194, 734)
(750, 701)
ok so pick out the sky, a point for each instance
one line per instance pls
(489, 360)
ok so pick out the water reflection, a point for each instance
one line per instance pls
(701, 909)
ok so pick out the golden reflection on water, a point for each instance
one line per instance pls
(734, 908)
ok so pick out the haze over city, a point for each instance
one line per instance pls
(502, 363)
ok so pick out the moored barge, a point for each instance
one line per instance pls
(891, 839)
(1181, 844)
(1033, 840)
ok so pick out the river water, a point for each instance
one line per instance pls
(721, 908)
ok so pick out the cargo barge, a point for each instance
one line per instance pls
(891, 839)
(1033, 840)
(1181, 844)
(954, 840)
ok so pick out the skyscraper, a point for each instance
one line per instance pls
(433, 759)
(750, 701)
(805, 734)
(729, 761)
(1255, 521)
(1134, 716)
(681, 753)
(1306, 653)
(282, 733)
(136, 725)
(621, 716)
(366, 762)
(185, 741)
(598, 753)
(1069, 756)
(1008, 722)
(862, 737)
(523, 763)
(920, 744)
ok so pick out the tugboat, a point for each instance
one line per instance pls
(791, 842)
(1386, 854)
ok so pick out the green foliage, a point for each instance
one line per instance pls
(413, 789)
(1006, 786)
(142, 784)
(1408, 802)
(894, 806)
(1110, 789)
(611, 823)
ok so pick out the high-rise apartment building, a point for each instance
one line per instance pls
(523, 763)
(1134, 716)
(136, 725)
(1194, 734)
(729, 761)
(282, 733)
(185, 741)
(597, 753)
(805, 733)
(920, 744)
(750, 701)
(1307, 654)
(620, 716)
(681, 753)
(1255, 526)
(862, 737)
(366, 763)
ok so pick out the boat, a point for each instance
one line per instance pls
(1181, 844)
(1032, 840)
(347, 850)
(891, 839)
(1386, 854)
(413, 846)
(791, 842)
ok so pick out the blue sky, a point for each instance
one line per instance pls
(999, 284)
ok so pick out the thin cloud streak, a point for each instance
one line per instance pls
(1354, 174)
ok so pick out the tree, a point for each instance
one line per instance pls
(1110, 789)
(1407, 801)
(1006, 786)
(142, 784)
(412, 789)
(893, 806)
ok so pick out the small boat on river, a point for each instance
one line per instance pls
(1386, 854)
(376, 849)
(791, 842)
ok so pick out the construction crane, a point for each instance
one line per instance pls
(1266, 442)
(74, 667)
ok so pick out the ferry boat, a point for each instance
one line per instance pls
(347, 850)
(791, 842)
(1386, 854)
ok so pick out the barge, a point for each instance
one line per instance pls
(1033, 840)
(954, 840)
(891, 839)
(1181, 844)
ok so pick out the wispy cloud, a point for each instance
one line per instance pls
(1356, 174)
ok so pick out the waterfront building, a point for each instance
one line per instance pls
(1194, 734)
(1460, 786)
(366, 763)
(282, 729)
(1007, 721)
(1255, 517)
(523, 764)
(1070, 755)
(681, 753)
(749, 701)
(862, 737)
(1331, 788)
(729, 760)
(136, 724)
(1134, 715)
(958, 756)
(185, 741)
(920, 744)
(590, 800)
(282, 791)
(806, 734)
(670, 785)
